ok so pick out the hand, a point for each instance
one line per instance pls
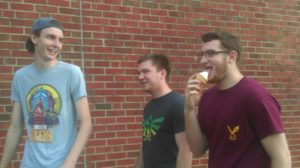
(193, 93)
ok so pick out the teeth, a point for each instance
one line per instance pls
(53, 50)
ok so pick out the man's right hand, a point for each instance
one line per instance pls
(193, 93)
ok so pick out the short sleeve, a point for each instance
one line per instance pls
(264, 113)
(78, 87)
(178, 116)
(15, 94)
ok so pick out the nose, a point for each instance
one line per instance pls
(57, 42)
(141, 76)
(203, 59)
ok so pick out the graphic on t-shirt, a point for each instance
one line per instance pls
(232, 132)
(44, 105)
(151, 126)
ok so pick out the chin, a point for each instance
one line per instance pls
(215, 80)
(50, 58)
(147, 90)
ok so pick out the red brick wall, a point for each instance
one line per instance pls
(117, 32)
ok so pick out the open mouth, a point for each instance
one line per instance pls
(53, 51)
(144, 83)
(208, 69)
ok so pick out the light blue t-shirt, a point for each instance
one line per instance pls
(48, 103)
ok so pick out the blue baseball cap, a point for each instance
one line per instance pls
(46, 22)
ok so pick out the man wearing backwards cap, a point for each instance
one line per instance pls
(49, 97)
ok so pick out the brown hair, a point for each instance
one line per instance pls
(29, 44)
(228, 41)
(161, 61)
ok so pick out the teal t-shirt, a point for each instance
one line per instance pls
(48, 100)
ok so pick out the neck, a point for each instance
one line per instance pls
(230, 80)
(44, 64)
(165, 89)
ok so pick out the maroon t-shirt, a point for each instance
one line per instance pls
(235, 120)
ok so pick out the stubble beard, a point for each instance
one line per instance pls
(220, 72)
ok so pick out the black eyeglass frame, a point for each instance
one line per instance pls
(209, 53)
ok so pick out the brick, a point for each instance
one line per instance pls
(111, 15)
(3, 5)
(105, 164)
(97, 7)
(37, 1)
(151, 31)
(106, 134)
(11, 30)
(63, 3)
(140, 11)
(25, 15)
(131, 17)
(125, 134)
(105, 121)
(169, 33)
(6, 69)
(116, 85)
(103, 106)
(116, 141)
(113, 43)
(132, 30)
(9, 14)
(126, 161)
(4, 117)
(112, 2)
(21, 6)
(123, 50)
(6, 77)
(115, 156)
(115, 113)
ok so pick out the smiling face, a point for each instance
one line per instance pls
(48, 45)
(150, 76)
(215, 64)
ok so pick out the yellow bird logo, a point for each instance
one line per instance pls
(232, 132)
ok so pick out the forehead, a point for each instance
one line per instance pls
(52, 31)
(148, 64)
(211, 45)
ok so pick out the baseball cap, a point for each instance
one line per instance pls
(46, 22)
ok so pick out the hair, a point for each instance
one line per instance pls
(29, 44)
(161, 61)
(228, 41)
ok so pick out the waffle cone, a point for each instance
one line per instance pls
(202, 76)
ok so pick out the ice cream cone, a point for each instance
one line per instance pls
(202, 76)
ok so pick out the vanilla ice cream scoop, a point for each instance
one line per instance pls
(202, 76)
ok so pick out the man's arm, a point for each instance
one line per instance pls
(139, 162)
(196, 139)
(184, 157)
(13, 136)
(84, 118)
(277, 148)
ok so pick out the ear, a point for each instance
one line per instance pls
(232, 57)
(33, 38)
(163, 73)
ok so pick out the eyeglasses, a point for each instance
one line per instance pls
(209, 53)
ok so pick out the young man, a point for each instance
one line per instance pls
(164, 140)
(49, 97)
(237, 120)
